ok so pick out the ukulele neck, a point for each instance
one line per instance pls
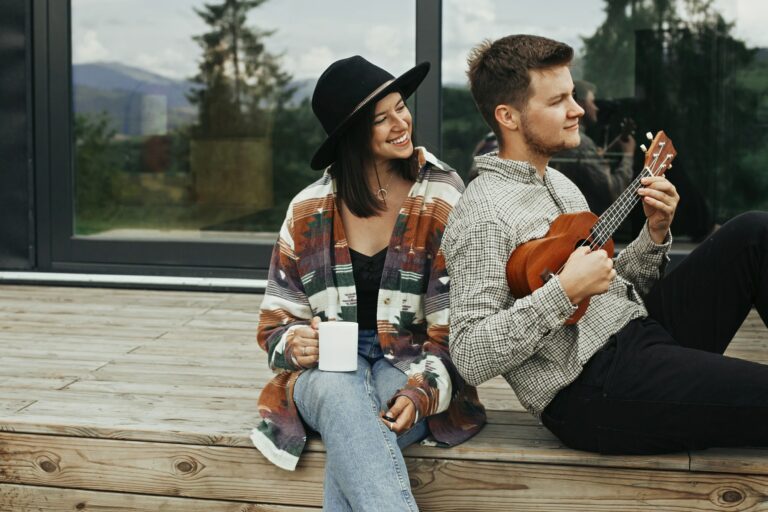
(611, 219)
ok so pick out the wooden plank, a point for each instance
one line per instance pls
(240, 474)
(535, 444)
(82, 348)
(499, 399)
(91, 320)
(97, 332)
(472, 485)
(55, 354)
(119, 309)
(144, 403)
(145, 388)
(731, 460)
(51, 499)
(37, 382)
(11, 404)
(192, 382)
(222, 473)
(246, 362)
(161, 376)
(496, 442)
(157, 297)
(187, 433)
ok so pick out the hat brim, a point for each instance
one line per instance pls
(407, 83)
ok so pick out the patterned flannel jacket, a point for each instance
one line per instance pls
(311, 275)
(525, 339)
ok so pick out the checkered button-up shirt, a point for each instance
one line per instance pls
(525, 339)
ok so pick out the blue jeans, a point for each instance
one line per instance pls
(364, 467)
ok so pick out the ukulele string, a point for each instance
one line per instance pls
(627, 200)
(611, 219)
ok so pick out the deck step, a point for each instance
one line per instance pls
(131, 400)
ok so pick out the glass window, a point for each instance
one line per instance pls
(192, 119)
(697, 69)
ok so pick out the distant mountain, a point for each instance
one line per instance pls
(113, 76)
(141, 102)
(303, 90)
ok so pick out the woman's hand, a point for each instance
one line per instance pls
(403, 412)
(303, 346)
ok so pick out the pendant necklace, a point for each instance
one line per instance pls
(383, 191)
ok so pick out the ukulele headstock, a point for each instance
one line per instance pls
(659, 156)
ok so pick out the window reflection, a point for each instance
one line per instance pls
(696, 69)
(192, 119)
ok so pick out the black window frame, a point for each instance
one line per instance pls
(61, 250)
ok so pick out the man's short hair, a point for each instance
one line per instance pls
(499, 71)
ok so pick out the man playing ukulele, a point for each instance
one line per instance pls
(642, 371)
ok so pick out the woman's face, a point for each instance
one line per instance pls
(392, 129)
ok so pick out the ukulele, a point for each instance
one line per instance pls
(533, 263)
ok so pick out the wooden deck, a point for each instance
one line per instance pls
(136, 400)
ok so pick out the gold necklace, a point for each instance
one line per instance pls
(383, 191)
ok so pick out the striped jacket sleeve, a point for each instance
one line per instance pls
(285, 305)
(431, 375)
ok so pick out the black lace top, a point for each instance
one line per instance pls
(367, 271)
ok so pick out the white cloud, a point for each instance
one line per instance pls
(309, 64)
(88, 48)
(751, 17)
(313, 34)
(388, 47)
(168, 62)
(468, 22)
(384, 41)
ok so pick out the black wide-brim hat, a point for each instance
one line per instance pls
(345, 88)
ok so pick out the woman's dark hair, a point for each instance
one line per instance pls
(353, 155)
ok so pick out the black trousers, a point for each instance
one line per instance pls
(662, 384)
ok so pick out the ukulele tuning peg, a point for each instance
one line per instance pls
(645, 149)
(649, 135)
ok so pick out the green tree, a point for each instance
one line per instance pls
(463, 127)
(610, 52)
(240, 82)
(96, 162)
(676, 66)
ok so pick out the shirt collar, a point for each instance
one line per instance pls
(517, 170)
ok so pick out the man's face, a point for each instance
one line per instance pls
(550, 121)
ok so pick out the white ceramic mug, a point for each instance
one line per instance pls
(338, 346)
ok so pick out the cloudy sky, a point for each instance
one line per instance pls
(310, 34)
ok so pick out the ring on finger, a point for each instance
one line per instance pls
(303, 351)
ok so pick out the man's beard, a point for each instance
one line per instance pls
(536, 144)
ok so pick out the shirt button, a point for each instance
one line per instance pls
(386, 301)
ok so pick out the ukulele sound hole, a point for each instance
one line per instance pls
(582, 243)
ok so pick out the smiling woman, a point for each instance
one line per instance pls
(362, 244)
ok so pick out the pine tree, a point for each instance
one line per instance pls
(240, 82)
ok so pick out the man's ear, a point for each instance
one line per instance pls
(507, 116)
